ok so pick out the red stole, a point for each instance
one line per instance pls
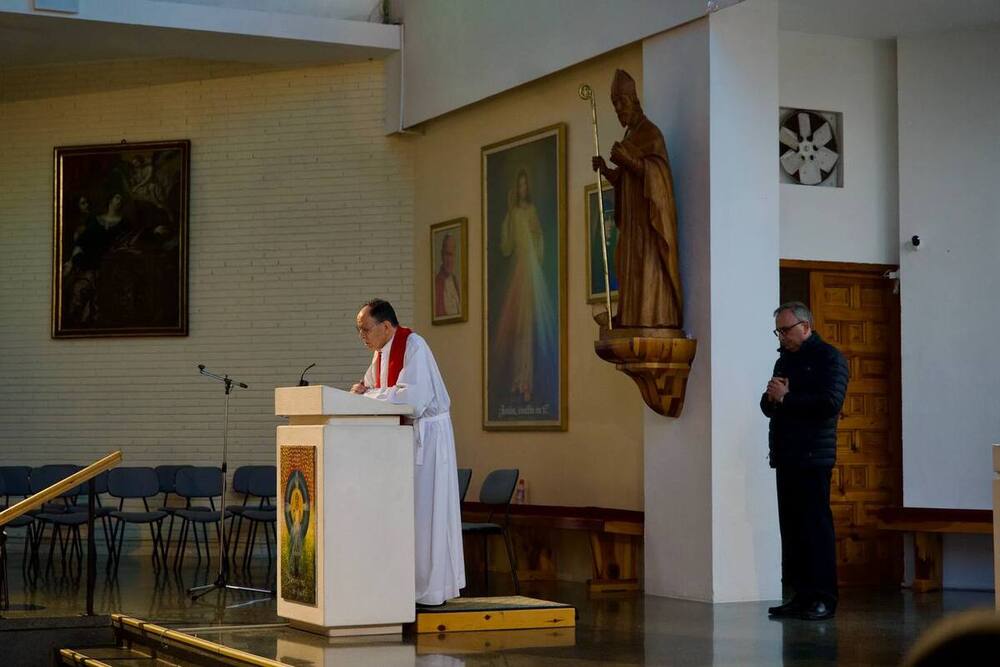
(396, 355)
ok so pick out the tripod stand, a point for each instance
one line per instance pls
(222, 580)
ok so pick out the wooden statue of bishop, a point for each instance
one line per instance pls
(649, 282)
(646, 340)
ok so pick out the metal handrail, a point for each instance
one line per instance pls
(45, 495)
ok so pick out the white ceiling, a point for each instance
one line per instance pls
(232, 30)
(24, 40)
(885, 19)
(350, 10)
(28, 38)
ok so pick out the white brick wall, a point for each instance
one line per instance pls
(300, 210)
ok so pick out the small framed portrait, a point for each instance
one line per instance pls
(524, 282)
(450, 271)
(595, 262)
(120, 240)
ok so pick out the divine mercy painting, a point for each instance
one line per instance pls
(524, 282)
(120, 240)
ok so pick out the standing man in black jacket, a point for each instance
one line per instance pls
(803, 400)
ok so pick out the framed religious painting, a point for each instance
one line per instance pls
(119, 251)
(450, 271)
(595, 262)
(524, 282)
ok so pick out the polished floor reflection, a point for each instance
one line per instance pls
(871, 628)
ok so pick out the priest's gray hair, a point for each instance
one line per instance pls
(799, 309)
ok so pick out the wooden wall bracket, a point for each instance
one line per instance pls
(658, 359)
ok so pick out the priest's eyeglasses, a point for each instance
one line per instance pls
(364, 331)
(783, 331)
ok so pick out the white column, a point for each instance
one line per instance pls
(711, 517)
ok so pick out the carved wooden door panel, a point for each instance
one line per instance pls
(859, 314)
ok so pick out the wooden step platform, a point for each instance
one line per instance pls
(464, 643)
(514, 612)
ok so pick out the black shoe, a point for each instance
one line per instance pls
(817, 611)
(421, 605)
(789, 608)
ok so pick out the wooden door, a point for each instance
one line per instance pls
(859, 314)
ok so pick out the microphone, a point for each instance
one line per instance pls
(201, 367)
(303, 382)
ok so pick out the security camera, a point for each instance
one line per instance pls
(915, 241)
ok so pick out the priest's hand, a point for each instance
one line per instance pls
(599, 164)
(359, 388)
(776, 389)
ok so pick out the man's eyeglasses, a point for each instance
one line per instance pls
(364, 331)
(783, 331)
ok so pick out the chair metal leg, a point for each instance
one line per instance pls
(64, 541)
(170, 532)
(508, 543)
(181, 545)
(34, 565)
(235, 535)
(78, 545)
(159, 539)
(486, 564)
(156, 547)
(52, 546)
(106, 526)
(250, 543)
(28, 543)
(118, 549)
(208, 551)
(197, 539)
(267, 543)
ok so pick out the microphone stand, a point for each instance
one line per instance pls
(222, 580)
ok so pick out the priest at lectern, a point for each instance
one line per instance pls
(403, 370)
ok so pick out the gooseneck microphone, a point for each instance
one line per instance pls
(303, 382)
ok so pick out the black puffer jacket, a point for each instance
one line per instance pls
(803, 430)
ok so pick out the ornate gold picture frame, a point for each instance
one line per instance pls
(450, 271)
(119, 250)
(524, 282)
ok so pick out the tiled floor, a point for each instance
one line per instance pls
(871, 628)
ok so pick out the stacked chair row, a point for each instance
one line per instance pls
(141, 496)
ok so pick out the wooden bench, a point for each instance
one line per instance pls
(615, 537)
(928, 525)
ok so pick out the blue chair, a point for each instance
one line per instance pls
(193, 483)
(15, 481)
(136, 483)
(464, 477)
(60, 514)
(167, 476)
(496, 492)
(262, 484)
(241, 487)
(15, 485)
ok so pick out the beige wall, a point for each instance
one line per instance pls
(301, 208)
(598, 461)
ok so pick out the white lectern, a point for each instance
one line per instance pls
(345, 512)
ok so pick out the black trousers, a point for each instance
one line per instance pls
(808, 546)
